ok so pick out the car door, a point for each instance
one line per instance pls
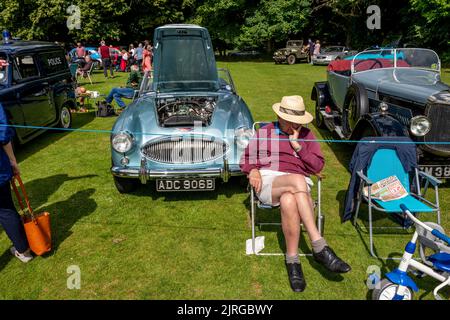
(8, 94)
(338, 85)
(32, 92)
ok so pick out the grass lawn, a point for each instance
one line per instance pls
(149, 245)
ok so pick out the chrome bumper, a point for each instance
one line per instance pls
(144, 174)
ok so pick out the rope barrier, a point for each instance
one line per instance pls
(250, 138)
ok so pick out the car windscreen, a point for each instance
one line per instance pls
(396, 58)
(419, 58)
(4, 65)
(184, 65)
(332, 49)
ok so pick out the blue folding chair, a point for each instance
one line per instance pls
(255, 204)
(385, 162)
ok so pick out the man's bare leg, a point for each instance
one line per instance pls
(290, 222)
(296, 185)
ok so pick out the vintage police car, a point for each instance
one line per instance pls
(36, 87)
(393, 92)
(188, 127)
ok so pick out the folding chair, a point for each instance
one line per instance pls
(88, 73)
(386, 162)
(256, 244)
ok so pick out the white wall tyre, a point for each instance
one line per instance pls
(387, 291)
(65, 118)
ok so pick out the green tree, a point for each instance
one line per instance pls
(223, 19)
(275, 21)
(433, 25)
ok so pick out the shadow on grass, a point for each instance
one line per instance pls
(40, 190)
(342, 149)
(51, 136)
(64, 214)
(5, 258)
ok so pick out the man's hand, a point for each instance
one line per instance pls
(293, 137)
(255, 180)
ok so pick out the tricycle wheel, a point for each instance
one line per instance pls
(386, 291)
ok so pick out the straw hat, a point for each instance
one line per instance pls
(292, 109)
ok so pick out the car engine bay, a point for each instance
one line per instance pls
(185, 111)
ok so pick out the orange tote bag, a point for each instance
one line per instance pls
(37, 226)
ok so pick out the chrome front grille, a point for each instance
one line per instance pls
(184, 149)
(439, 116)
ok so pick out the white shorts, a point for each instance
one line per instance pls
(265, 195)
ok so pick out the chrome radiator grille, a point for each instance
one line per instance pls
(439, 116)
(184, 150)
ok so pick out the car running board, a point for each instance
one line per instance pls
(331, 124)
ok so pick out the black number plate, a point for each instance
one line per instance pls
(163, 185)
(436, 170)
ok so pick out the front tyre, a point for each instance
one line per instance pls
(387, 291)
(65, 118)
(356, 104)
(125, 185)
(291, 59)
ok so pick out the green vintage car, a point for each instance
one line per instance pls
(187, 127)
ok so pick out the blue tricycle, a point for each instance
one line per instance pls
(398, 285)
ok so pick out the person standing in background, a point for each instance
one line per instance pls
(106, 59)
(317, 48)
(147, 58)
(311, 50)
(131, 56)
(139, 55)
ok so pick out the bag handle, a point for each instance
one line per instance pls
(24, 193)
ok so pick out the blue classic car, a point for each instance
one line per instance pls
(187, 127)
(394, 92)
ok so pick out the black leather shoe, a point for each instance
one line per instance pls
(331, 261)
(296, 279)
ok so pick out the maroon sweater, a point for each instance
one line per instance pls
(276, 153)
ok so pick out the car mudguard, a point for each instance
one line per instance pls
(378, 124)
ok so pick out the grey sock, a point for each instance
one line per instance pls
(292, 259)
(318, 245)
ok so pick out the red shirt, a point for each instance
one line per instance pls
(104, 52)
(270, 149)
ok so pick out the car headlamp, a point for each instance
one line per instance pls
(420, 126)
(122, 142)
(242, 137)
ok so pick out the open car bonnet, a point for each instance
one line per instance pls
(183, 60)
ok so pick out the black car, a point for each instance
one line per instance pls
(389, 92)
(36, 87)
